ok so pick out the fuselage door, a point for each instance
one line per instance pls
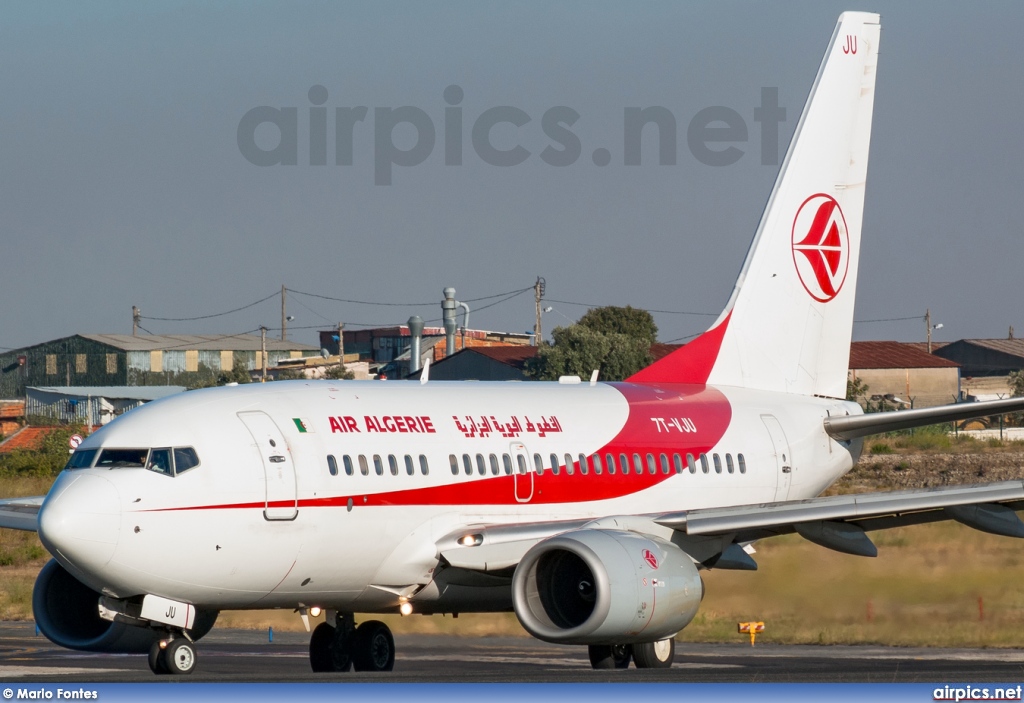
(522, 473)
(278, 466)
(783, 460)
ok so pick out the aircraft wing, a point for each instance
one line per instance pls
(836, 522)
(840, 522)
(851, 427)
(20, 513)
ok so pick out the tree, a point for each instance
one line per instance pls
(578, 350)
(1016, 383)
(857, 390)
(338, 373)
(629, 321)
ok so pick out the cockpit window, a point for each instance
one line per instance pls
(122, 458)
(81, 459)
(185, 458)
(160, 461)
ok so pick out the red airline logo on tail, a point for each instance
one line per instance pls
(821, 239)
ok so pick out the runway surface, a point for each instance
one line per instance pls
(247, 656)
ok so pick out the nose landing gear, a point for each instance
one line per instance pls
(343, 646)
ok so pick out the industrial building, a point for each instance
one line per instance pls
(985, 365)
(143, 360)
(906, 373)
(90, 405)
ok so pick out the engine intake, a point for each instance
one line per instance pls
(66, 611)
(595, 586)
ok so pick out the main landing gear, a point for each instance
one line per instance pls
(172, 655)
(647, 655)
(343, 646)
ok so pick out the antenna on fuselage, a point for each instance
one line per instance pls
(425, 374)
(593, 377)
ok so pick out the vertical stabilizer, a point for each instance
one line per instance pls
(788, 325)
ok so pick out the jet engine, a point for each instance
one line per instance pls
(594, 586)
(67, 612)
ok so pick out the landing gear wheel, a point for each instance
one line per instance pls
(320, 655)
(654, 655)
(156, 659)
(614, 656)
(179, 656)
(373, 648)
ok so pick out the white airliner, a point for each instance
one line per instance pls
(590, 509)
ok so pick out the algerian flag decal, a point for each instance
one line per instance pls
(302, 424)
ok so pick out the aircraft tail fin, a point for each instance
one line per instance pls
(788, 324)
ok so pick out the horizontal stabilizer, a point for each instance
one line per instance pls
(846, 428)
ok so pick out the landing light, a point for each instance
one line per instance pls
(471, 540)
(315, 611)
(405, 609)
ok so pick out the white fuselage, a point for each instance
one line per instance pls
(263, 521)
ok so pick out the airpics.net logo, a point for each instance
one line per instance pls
(715, 136)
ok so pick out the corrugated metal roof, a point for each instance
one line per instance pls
(514, 355)
(118, 392)
(894, 355)
(211, 342)
(1013, 347)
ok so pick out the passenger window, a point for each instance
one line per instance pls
(467, 464)
(742, 463)
(718, 464)
(410, 468)
(554, 464)
(481, 465)
(332, 465)
(691, 464)
(664, 464)
(494, 464)
(728, 463)
(507, 461)
(454, 461)
(160, 461)
(393, 464)
(704, 463)
(584, 469)
(81, 459)
(538, 463)
(347, 462)
(521, 460)
(598, 469)
(638, 464)
(424, 468)
(185, 458)
(652, 466)
(364, 467)
(624, 464)
(677, 461)
(569, 468)
(609, 459)
(378, 465)
(122, 458)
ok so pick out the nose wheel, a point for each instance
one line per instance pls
(343, 646)
(176, 656)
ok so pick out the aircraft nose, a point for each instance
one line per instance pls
(82, 522)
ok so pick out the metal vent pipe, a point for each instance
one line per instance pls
(416, 330)
(448, 310)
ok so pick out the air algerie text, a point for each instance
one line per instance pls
(383, 423)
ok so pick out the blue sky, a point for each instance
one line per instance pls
(122, 182)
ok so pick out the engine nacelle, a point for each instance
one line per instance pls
(66, 611)
(594, 586)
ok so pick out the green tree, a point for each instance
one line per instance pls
(1016, 383)
(48, 460)
(577, 350)
(857, 391)
(632, 322)
(338, 373)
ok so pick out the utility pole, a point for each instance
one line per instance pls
(341, 345)
(538, 294)
(263, 354)
(284, 317)
(928, 324)
(136, 314)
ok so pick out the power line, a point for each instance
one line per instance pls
(207, 317)
(892, 319)
(401, 305)
(664, 312)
